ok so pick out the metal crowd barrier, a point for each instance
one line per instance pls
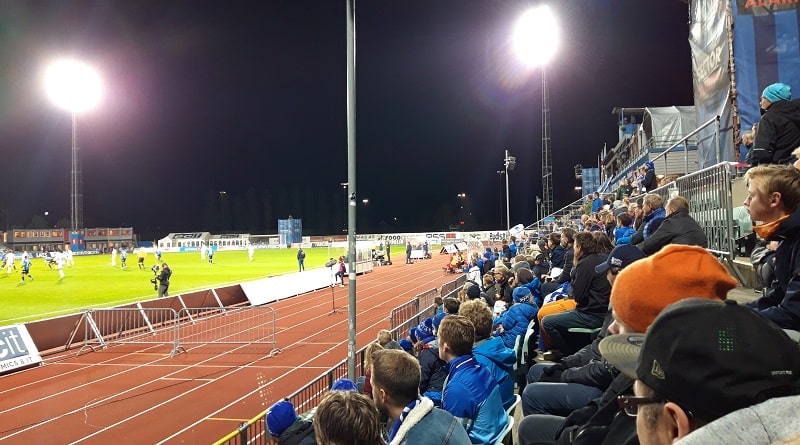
(219, 325)
(189, 326)
(308, 397)
(145, 326)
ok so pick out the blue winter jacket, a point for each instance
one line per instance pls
(623, 235)
(499, 360)
(515, 321)
(473, 397)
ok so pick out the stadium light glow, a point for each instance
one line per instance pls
(73, 86)
(536, 36)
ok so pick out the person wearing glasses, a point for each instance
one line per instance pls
(701, 379)
(640, 292)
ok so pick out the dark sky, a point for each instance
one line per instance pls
(249, 97)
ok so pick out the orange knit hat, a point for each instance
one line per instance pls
(643, 289)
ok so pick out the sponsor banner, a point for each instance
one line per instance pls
(708, 40)
(17, 349)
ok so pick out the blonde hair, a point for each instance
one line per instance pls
(375, 346)
(384, 336)
(783, 179)
(655, 200)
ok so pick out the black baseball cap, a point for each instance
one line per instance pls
(620, 257)
(709, 357)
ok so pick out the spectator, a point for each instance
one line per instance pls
(597, 203)
(650, 182)
(779, 129)
(557, 251)
(439, 302)
(287, 427)
(385, 339)
(367, 386)
(489, 286)
(678, 227)
(502, 276)
(408, 252)
(347, 418)
(473, 271)
(395, 391)
(490, 351)
(698, 364)
(515, 320)
(663, 279)
(451, 306)
(773, 196)
(345, 384)
(406, 345)
(488, 262)
(526, 278)
(623, 231)
(471, 393)
(567, 241)
(589, 293)
(474, 292)
(654, 214)
(433, 369)
(566, 386)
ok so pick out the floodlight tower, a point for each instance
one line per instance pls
(75, 87)
(535, 41)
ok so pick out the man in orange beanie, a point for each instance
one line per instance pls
(640, 292)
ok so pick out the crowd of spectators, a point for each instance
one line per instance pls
(637, 341)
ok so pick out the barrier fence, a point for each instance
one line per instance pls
(308, 397)
(709, 193)
(178, 329)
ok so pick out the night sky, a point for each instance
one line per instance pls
(248, 97)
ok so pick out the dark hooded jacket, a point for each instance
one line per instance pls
(677, 228)
(778, 133)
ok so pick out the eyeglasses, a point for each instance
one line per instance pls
(630, 404)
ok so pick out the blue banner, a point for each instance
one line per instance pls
(765, 50)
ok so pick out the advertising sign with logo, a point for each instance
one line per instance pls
(17, 350)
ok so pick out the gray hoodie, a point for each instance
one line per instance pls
(766, 423)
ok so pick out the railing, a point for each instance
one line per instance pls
(165, 326)
(306, 398)
(683, 142)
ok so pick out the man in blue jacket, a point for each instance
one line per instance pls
(470, 393)
(395, 382)
(490, 351)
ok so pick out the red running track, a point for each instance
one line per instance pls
(132, 394)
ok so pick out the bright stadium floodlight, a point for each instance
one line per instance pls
(536, 36)
(75, 87)
(535, 40)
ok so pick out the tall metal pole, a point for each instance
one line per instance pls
(351, 184)
(508, 205)
(547, 162)
(501, 172)
(76, 184)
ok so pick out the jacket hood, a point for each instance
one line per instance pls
(754, 425)
(495, 350)
(790, 109)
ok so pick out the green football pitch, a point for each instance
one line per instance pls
(93, 282)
